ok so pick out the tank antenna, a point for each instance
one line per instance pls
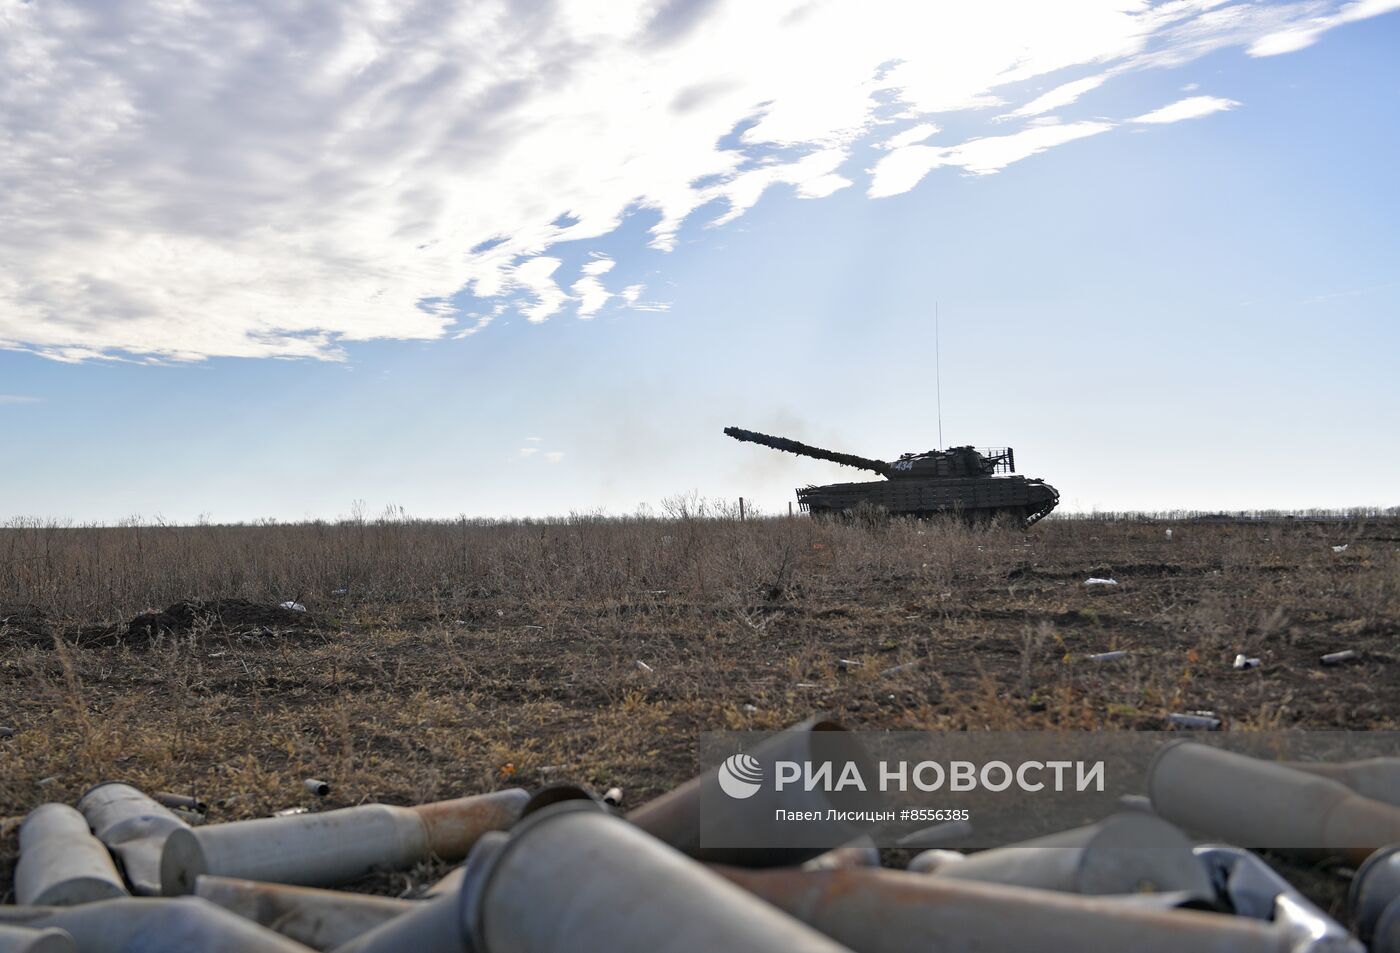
(938, 375)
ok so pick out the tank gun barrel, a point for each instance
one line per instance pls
(805, 450)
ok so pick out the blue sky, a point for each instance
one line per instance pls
(294, 283)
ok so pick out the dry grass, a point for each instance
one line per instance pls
(446, 658)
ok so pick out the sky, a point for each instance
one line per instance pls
(286, 260)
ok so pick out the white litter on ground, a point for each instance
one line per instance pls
(1096, 581)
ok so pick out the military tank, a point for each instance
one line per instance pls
(976, 484)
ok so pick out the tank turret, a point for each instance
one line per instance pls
(975, 483)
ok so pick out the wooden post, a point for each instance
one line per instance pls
(789, 509)
(741, 509)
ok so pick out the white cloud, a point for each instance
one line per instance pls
(1299, 37)
(589, 291)
(591, 296)
(185, 180)
(536, 277)
(17, 399)
(600, 265)
(902, 169)
(910, 136)
(481, 321)
(534, 452)
(1285, 41)
(1190, 108)
(1060, 96)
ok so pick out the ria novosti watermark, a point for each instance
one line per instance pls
(821, 786)
(927, 776)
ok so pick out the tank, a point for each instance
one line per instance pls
(977, 484)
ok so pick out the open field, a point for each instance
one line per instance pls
(437, 659)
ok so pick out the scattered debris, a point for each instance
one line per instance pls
(1253, 889)
(45, 782)
(1257, 800)
(1116, 855)
(1374, 778)
(292, 606)
(1136, 802)
(896, 669)
(1340, 549)
(859, 853)
(1108, 656)
(316, 786)
(1169, 534)
(1201, 720)
(256, 879)
(1375, 898)
(846, 664)
(1100, 581)
(805, 685)
(1337, 658)
(340, 592)
(320, 919)
(748, 708)
(338, 846)
(1243, 662)
(134, 827)
(6, 731)
(944, 833)
(60, 862)
(932, 860)
(184, 801)
(644, 667)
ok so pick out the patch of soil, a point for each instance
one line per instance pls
(233, 616)
(24, 623)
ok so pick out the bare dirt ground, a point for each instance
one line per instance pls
(440, 659)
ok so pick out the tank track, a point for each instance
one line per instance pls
(1035, 516)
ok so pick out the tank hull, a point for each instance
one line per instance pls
(973, 498)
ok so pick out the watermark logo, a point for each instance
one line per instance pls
(740, 776)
